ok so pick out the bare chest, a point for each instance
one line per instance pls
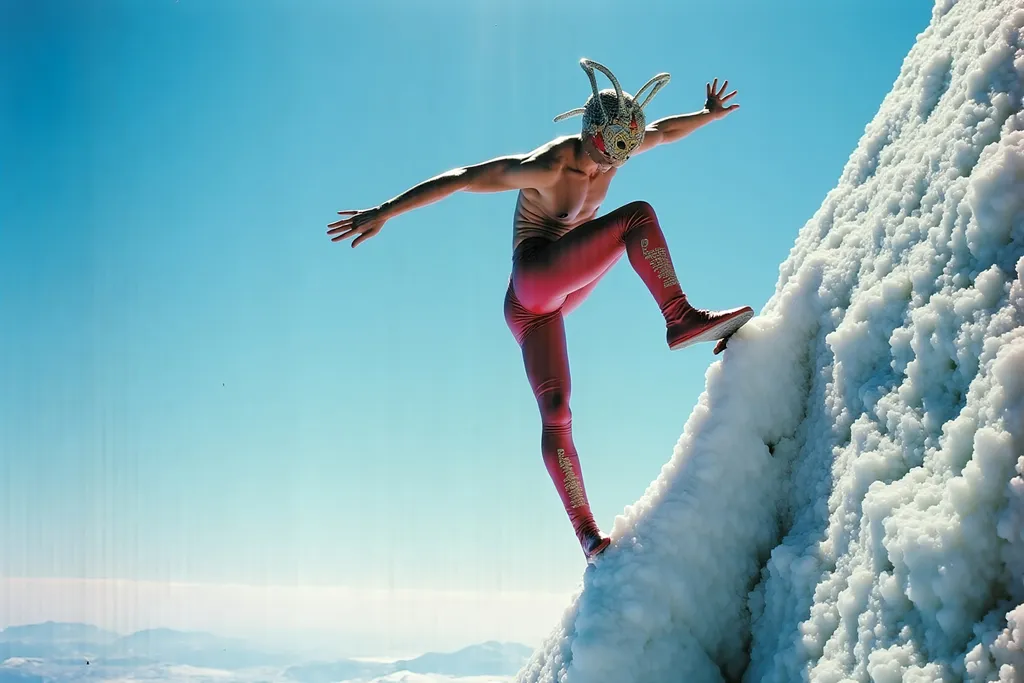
(574, 198)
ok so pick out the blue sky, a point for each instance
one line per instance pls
(199, 386)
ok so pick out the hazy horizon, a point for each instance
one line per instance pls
(68, 651)
(383, 624)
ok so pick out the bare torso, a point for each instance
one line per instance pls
(573, 199)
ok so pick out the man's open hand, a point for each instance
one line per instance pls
(365, 223)
(715, 103)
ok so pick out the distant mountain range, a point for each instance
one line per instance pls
(486, 659)
(55, 632)
(52, 641)
(54, 651)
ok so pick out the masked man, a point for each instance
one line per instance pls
(561, 249)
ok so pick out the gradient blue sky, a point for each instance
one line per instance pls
(198, 385)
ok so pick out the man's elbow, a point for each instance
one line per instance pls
(461, 178)
(668, 133)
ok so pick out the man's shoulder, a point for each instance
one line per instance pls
(556, 152)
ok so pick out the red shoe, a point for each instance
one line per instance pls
(594, 543)
(694, 325)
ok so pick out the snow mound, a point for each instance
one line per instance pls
(846, 501)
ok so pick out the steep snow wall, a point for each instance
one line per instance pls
(846, 502)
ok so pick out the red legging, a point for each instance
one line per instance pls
(551, 278)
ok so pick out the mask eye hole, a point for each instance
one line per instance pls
(620, 144)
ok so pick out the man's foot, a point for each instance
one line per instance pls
(592, 541)
(595, 545)
(693, 325)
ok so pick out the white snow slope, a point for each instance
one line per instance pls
(846, 502)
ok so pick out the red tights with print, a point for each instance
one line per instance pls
(548, 280)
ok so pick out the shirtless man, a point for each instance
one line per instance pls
(561, 249)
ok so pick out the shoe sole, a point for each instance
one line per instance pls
(719, 331)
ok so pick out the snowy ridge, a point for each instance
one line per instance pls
(846, 502)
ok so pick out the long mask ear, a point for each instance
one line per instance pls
(570, 114)
(658, 81)
(588, 66)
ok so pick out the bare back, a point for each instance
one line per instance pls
(571, 198)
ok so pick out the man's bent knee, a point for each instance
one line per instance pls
(641, 209)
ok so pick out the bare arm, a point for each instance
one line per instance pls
(515, 172)
(539, 169)
(673, 128)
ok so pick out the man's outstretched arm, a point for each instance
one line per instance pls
(514, 172)
(673, 128)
